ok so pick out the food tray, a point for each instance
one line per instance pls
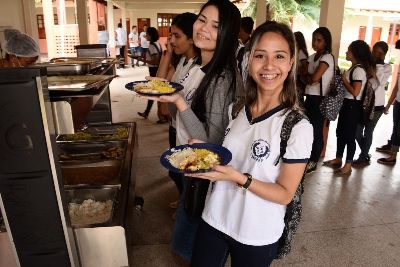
(84, 173)
(65, 68)
(78, 83)
(78, 196)
(97, 133)
(92, 151)
(93, 63)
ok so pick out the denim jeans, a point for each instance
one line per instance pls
(396, 127)
(212, 248)
(185, 230)
(313, 112)
(134, 51)
(365, 133)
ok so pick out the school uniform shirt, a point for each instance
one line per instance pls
(133, 39)
(143, 41)
(153, 51)
(121, 37)
(358, 75)
(383, 72)
(313, 63)
(190, 81)
(255, 146)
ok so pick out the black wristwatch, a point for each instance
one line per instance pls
(246, 185)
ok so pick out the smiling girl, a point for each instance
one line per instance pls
(202, 106)
(246, 204)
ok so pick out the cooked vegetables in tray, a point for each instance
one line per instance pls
(89, 134)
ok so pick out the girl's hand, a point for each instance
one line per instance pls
(168, 45)
(192, 141)
(386, 111)
(222, 173)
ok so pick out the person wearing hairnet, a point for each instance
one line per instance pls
(21, 51)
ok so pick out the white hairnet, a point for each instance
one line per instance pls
(9, 33)
(21, 45)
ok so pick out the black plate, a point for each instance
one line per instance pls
(224, 154)
(131, 86)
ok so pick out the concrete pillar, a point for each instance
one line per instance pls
(110, 27)
(82, 16)
(49, 25)
(261, 13)
(30, 22)
(331, 16)
(370, 27)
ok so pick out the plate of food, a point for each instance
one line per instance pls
(196, 158)
(154, 87)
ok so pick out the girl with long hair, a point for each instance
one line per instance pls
(362, 68)
(202, 106)
(246, 204)
(321, 66)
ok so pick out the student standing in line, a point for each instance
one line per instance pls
(153, 57)
(144, 44)
(302, 65)
(354, 80)
(246, 29)
(120, 38)
(134, 45)
(364, 133)
(202, 112)
(245, 206)
(395, 138)
(320, 73)
(178, 59)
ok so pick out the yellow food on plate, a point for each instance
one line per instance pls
(155, 87)
(193, 159)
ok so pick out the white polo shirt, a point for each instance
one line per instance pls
(383, 72)
(255, 146)
(313, 63)
(358, 75)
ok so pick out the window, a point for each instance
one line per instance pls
(164, 21)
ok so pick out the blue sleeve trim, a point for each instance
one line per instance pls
(290, 161)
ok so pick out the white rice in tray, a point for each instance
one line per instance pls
(179, 155)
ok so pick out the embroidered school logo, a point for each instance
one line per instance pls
(189, 96)
(260, 150)
(184, 78)
(227, 131)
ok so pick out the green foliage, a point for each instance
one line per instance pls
(285, 10)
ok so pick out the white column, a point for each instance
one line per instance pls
(331, 16)
(261, 13)
(82, 16)
(370, 27)
(30, 19)
(49, 25)
(110, 27)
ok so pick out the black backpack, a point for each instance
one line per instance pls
(368, 103)
(294, 208)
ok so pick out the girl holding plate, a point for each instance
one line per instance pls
(246, 204)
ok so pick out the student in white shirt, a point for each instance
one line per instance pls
(134, 44)
(302, 65)
(362, 68)
(320, 73)
(246, 203)
(364, 133)
(144, 44)
(120, 38)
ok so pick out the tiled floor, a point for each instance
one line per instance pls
(347, 221)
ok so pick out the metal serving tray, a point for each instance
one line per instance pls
(92, 151)
(65, 68)
(78, 83)
(98, 133)
(81, 173)
(78, 196)
(93, 63)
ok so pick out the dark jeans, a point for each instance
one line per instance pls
(396, 126)
(313, 113)
(212, 247)
(349, 116)
(365, 133)
(153, 73)
(144, 52)
(134, 51)
(176, 177)
(121, 56)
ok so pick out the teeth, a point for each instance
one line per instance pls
(269, 76)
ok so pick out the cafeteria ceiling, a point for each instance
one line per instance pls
(164, 4)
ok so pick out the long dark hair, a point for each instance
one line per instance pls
(362, 54)
(326, 34)
(288, 95)
(153, 33)
(223, 61)
(301, 42)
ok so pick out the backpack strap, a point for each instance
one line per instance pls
(290, 121)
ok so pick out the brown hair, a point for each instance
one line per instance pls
(288, 95)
